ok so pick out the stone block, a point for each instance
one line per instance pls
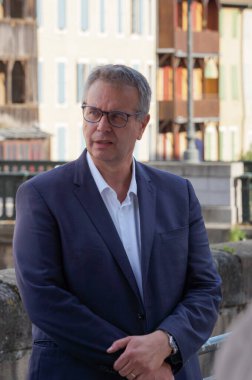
(217, 214)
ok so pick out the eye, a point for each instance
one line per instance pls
(118, 117)
(94, 112)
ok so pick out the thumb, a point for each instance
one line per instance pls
(118, 344)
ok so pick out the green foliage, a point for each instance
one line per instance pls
(228, 249)
(236, 234)
(247, 156)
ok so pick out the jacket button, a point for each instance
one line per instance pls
(141, 316)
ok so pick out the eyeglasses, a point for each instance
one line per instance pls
(117, 119)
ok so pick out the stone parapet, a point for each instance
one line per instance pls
(216, 185)
(234, 263)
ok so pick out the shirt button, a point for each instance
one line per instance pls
(141, 316)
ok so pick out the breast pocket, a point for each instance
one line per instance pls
(177, 233)
(172, 246)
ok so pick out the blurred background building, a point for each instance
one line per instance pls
(48, 47)
(73, 37)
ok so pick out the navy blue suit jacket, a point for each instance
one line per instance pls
(77, 284)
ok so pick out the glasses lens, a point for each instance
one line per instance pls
(117, 119)
(92, 114)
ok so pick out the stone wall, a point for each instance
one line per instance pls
(216, 185)
(6, 234)
(15, 330)
(234, 262)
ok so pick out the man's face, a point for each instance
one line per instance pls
(107, 144)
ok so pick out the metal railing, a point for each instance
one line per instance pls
(212, 345)
(9, 183)
(15, 166)
(12, 174)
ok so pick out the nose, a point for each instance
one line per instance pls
(103, 125)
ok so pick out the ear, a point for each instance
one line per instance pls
(144, 124)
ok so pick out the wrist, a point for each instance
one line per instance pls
(171, 343)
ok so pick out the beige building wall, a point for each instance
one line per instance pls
(61, 50)
(247, 79)
(231, 96)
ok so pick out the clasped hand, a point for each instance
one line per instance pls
(143, 357)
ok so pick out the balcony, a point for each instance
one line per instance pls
(23, 113)
(19, 38)
(207, 108)
(205, 42)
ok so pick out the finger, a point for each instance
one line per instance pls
(120, 363)
(131, 376)
(118, 344)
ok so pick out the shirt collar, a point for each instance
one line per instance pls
(102, 184)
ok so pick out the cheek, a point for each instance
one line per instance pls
(86, 132)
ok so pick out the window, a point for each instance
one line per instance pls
(234, 82)
(197, 81)
(2, 83)
(233, 144)
(82, 73)
(61, 14)
(181, 81)
(102, 16)
(17, 8)
(82, 140)
(84, 15)
(18, 83)
(39, 12)
(235, 24)
(221, 142)
(61, 143)
(61, 76)
(222, 83)
(119, 16)
(40, 82)
(137, 16)
(1, 9)
(221, 22)
(24, 151)
(136, 66)
(150, 17)
(150, 74)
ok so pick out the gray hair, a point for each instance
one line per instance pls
(122, 75)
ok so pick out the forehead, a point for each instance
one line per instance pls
(102, 93)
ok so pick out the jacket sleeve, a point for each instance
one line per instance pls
(193, 319)
(43, 287)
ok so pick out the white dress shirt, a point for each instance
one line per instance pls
(125, 216)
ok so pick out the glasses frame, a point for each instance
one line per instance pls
(107, 113)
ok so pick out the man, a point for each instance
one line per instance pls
(112, 257)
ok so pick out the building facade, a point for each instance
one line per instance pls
(172, 87)
(18, 62)
(235, 79)
(75, 36)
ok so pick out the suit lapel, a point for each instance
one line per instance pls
(147, 208)
(91, 201)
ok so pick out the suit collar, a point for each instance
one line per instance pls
(90, 199)
(147, 208)
(86, 190)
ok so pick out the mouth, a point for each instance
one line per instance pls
(103, 141)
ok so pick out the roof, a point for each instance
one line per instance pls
(21, 132)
